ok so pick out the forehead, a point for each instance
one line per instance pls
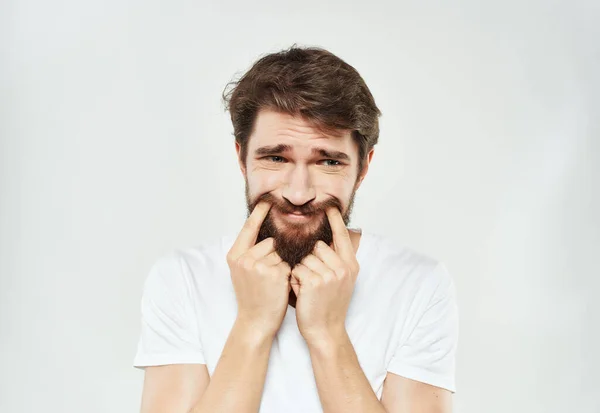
(275, 127)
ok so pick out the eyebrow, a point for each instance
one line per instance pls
(283, 148)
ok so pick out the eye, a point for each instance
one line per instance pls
(331, 162)
(275, 158)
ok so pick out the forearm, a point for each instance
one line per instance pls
(342, 385)
(239, 377)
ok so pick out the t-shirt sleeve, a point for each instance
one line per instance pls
(169, 328)
(427, 354)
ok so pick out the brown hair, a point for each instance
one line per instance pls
(309, 82)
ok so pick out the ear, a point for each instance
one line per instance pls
(238, 150)
(365, 168)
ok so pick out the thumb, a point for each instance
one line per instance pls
(295, 284)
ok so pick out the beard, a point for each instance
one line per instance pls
(294, 241)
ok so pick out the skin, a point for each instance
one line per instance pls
(323, 283)
(298, 175)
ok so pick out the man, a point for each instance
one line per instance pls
(296, 312)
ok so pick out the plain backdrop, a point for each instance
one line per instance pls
(115, 148)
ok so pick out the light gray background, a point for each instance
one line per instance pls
(115, 149)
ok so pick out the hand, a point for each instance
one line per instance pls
(324, 282)
(260, 277)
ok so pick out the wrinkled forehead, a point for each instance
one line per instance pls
(274, 128)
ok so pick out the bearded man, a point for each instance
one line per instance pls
(297, 312)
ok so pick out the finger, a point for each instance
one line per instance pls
(262, 249)
(341, 236)
(281, 270)
(272, 259)
(317, 266)
(328, 256)
(284, 268)
(247, 236)
(294, 282)
(300, 274)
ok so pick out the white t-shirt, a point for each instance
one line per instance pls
(402, 318)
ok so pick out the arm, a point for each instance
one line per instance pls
(236, 385)
(325, 284)
(174, 387)
(170, 335)
(343, 387)
(239, 378)
(402, 395)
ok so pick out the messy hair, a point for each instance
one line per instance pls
(309, 82)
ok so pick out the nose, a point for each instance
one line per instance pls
(298, 188)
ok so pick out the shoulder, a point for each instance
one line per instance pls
(181, 266)
(397, 262)
(208, 253)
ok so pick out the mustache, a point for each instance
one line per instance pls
(286, 207)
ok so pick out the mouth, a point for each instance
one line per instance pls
(296, 218)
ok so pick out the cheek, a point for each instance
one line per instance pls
(335, 186)
(261, 182)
